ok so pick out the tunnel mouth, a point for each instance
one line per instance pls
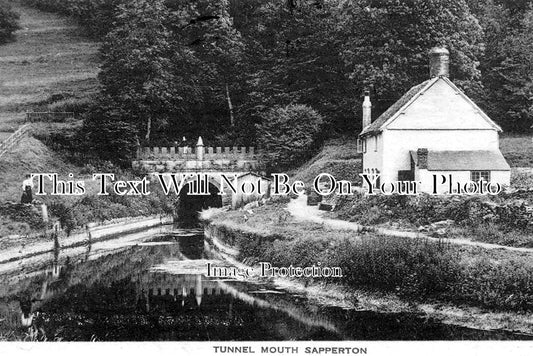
(189, 206)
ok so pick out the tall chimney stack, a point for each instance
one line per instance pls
(439, 62)
(367, 110)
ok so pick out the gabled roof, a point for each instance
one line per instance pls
(464, 161)
(375, 126)
(253, 174)
(411, 97)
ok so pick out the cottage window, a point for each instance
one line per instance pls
(361, 145)
(476, 176)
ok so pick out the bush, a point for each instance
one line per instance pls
(109, 137)
(23, 213)
(289, 136)
(8, 22)
(415, 269)
(469, 211)
(74, 105)
(64, 214)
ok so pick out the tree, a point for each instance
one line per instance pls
(294, 49)
(136, 66)
(506, 64)
(205, 28)
(511, 81)
(108, 133)
(8, 22)
(387, 44)
(289, 136)
(170, 66)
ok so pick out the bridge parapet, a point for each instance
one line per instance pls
(199, 158)
(192, 153)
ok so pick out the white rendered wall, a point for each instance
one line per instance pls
(396, 144)
(427, 179)
(373, 159)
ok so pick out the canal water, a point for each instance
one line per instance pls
(153, 286)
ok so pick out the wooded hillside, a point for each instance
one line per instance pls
(178, 68)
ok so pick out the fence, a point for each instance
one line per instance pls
(49, 116)
(14, 139)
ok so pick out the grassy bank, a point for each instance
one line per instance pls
(338, 157)
(49, 66)
(517, 150)
(52, 66)
(412, 269)
(32, 156)
(498, 220)
(503, 219)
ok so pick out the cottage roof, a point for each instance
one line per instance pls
(411, 98)
(464, 161)
(253, 174)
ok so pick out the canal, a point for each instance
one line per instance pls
(152, 286)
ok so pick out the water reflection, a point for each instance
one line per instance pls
(112, 291)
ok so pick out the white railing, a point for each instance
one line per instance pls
(14, 139)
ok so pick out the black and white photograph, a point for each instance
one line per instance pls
(282, 177)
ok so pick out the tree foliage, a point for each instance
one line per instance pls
(387, 44)
(175, 68)
(109, 136)
(136, 72)
(8, 22)
(506, 65)
(289, 136)
(295, 56)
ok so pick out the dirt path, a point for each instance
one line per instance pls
(50, 56)
(301, 211)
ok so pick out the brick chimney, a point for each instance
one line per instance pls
(439, 62)
(367, 110)
(422, 158)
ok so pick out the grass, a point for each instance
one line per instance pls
(501, 220)
(492, 234)
(51, 65)
(413, 269)
(517, 150)
(32, 156)
(49, 57)
(338, 157)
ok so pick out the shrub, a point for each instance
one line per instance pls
(64, 214)
(23, 213)
(468, 211)
(71, 105)
(110, 137)
(416, 269)
(289, 136)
